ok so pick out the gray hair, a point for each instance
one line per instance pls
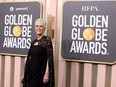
(43, 22)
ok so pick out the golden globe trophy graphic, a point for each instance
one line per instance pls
(17, 31)
(88, 34)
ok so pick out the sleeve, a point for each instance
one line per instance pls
(49, 48)
(28, 60)
(25, 78)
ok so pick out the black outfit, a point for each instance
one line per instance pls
(35, 66)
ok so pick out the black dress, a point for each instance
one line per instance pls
(35, 66)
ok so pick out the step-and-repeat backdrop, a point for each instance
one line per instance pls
(89, 31)
(17, 26)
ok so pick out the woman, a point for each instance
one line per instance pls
(39, 67)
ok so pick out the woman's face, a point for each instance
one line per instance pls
(39, 29)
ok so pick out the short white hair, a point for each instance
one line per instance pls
(43, 22)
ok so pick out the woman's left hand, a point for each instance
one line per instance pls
(46, 78)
